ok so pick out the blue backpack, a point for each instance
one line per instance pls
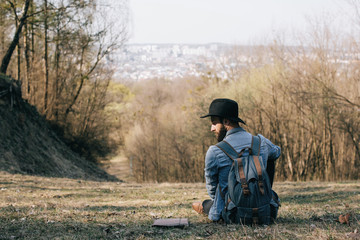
(249, 199)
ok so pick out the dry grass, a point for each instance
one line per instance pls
(56, 208)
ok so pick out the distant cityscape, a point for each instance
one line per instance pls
(169, 61)
(138, 62)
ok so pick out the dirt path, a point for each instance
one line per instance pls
(119, 166)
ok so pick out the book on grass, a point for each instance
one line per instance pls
(171, 222)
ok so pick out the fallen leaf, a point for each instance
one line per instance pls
(342, 219)
(345, 219)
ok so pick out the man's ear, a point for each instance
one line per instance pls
(226, 122)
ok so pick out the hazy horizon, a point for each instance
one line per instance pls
(235, 22)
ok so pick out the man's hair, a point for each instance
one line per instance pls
(221, 119)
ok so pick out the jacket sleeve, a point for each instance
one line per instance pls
(273, 150)
(211, 172)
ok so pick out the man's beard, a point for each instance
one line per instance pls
(220, 136)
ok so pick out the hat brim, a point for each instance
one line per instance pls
(237, 120)
(207, 115)
(232, 119)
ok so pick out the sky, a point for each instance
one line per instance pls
(225, 21)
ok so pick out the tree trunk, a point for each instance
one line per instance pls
(56, 93)
(18, 55)
(2, 35)
(32, 52)
(6, 59)
(46, 65)
(27, 61)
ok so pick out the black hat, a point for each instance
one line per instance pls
(225, 108)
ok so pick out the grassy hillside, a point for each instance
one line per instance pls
(53, 208)
(29, 146)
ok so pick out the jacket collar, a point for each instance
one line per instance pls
(234, 130)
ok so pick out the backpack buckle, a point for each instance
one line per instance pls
(245, 188)
(246, 192)
(261, 187)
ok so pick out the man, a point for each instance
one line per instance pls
(225, 125)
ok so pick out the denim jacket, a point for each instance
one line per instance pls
(217, 165)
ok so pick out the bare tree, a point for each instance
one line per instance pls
(6, 59)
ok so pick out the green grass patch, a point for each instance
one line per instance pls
(55, 208)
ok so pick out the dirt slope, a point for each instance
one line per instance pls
(29, 146)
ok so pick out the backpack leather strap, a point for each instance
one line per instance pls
(259, 173)
(243, 181)
(255, 146)
(235, 156)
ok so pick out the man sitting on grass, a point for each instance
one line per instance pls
(225, 125)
